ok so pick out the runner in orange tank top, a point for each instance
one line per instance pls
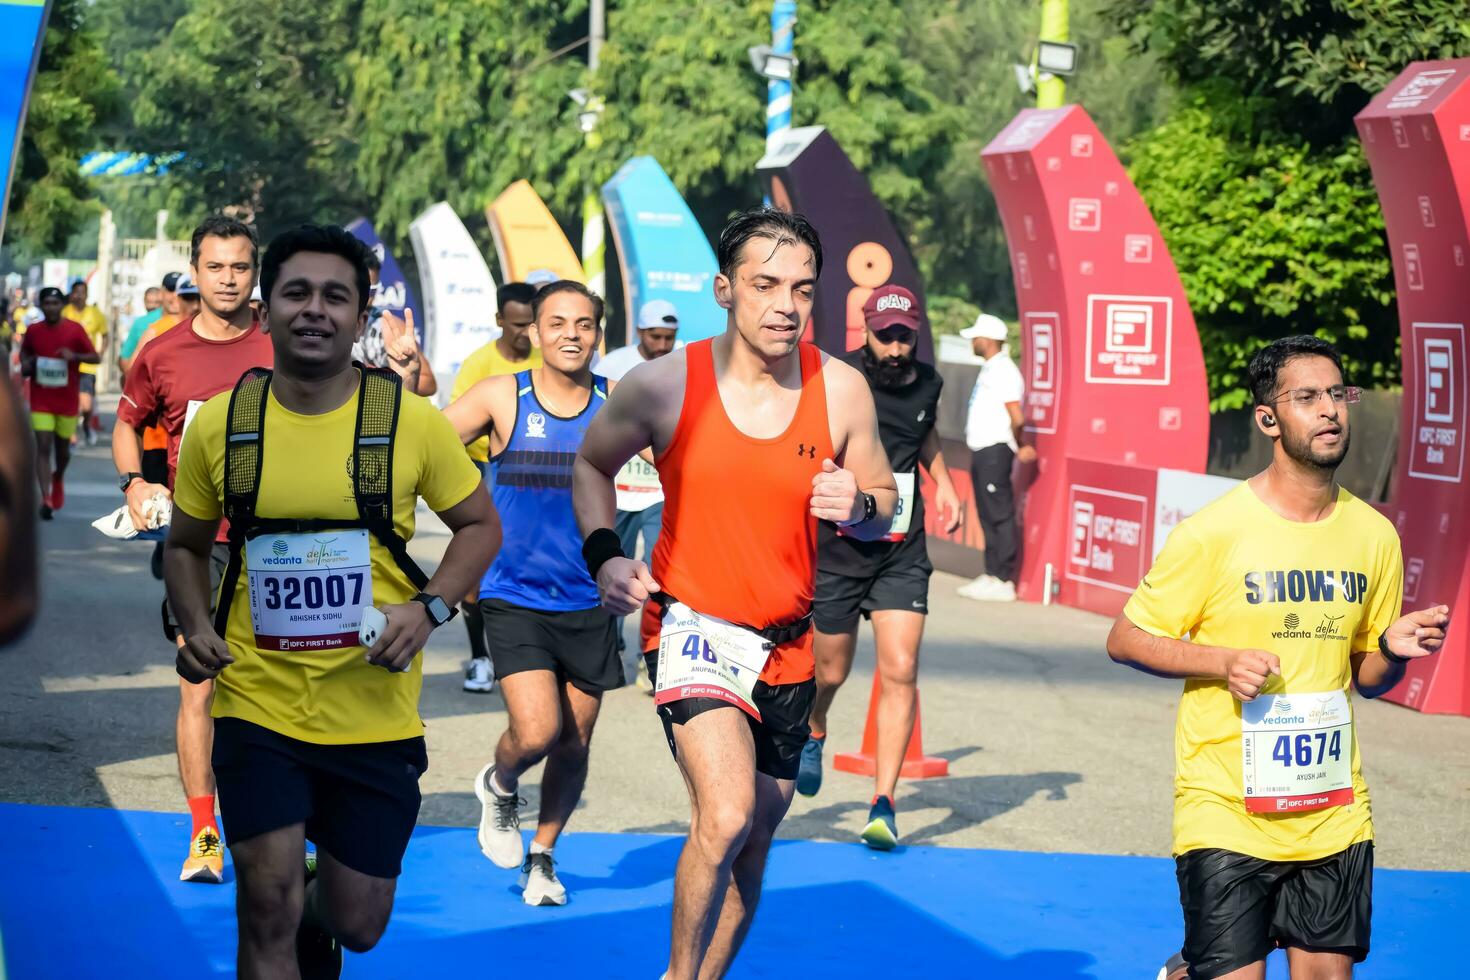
(756, 437)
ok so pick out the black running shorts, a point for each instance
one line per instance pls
(780, 733)
(899, 579)
(88, 385)
(580, 646)
(359, 802)
(1238, 908)
(219, 559)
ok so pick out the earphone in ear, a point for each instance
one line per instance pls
(1268, 419)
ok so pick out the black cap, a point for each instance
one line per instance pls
(171, 281)
(48, 293)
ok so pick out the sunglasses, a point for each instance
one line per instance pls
(896, 334)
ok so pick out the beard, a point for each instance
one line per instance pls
(888, 372)
(1298, 448)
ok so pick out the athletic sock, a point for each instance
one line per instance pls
(494, 780)
(539, 848)
(201, 808)
(474, 625)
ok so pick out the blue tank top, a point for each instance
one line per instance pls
(540, 564)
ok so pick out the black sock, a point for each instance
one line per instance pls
(474, 624)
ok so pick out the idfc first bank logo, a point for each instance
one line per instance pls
(1129, 339)
(1437, 441)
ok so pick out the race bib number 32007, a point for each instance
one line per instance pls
(307, 591)
(704, 657)
(1297, 752)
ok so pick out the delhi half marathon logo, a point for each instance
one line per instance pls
(535, 426)
(1329, 628)
(1291, 629)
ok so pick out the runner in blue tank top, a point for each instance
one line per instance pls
(555, 648)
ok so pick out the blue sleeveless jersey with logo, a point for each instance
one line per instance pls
(540, 564)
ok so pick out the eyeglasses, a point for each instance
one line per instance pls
(896, 335)
(1308, 397)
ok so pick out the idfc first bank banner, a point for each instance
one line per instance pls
(22, 26)
(663, 251)
(1416, 135)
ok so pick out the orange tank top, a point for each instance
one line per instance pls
(738, 540)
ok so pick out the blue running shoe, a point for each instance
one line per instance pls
(881, 833)
(809, 773)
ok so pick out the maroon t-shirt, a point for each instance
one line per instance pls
(181, 368)
(49, 340)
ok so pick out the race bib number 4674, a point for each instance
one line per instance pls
(307, 591)
(1297, 752)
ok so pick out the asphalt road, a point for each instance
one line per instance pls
(1051, 746)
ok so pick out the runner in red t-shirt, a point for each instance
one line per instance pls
(756, 437)
(50, 354)
(169, 379)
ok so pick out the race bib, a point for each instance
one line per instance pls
(903, 513)
(637, 482)
(52, 372)
(307, 591)
(1297, 752)
(703, 657)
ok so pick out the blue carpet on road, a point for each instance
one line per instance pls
(91, 893)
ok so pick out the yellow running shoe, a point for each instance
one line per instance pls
(206, 861)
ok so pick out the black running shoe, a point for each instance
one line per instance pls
(318, 955)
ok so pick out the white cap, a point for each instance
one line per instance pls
(185, 286)
(255, 296)
(658, 313)
(988, 326)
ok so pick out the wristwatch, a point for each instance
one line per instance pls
(126, 480)
(870, 510)
(439, 611)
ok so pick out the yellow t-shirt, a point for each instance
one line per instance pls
(487, 362)
(1237, 574)
(333, 697)
(94, 323)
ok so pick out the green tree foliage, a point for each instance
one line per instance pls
(252, 95)
(1259, 185)
(75, 93)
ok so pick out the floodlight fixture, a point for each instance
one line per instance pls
(1056, 57)
(770, 65)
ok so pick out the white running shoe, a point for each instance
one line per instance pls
(987, 588)
(479, 677)
(500, 823)
(539, 883)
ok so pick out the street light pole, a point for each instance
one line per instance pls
(594, 248)
(778, 91)
(1051, 90)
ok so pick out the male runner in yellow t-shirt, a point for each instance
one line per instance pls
(315, 736)
(1289, 590)
(506, 354)
(95, 323)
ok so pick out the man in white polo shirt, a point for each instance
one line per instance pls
(993, 433)
(640, 496)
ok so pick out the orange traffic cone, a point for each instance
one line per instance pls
(916, 765)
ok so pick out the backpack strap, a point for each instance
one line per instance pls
(379, 399)
(244, 456)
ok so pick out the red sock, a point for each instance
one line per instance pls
(201, 808)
